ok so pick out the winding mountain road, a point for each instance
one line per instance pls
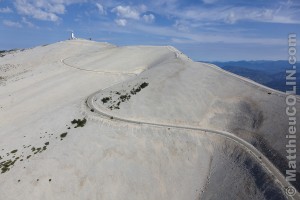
(268, 165)
(273, 171)
(63, 61)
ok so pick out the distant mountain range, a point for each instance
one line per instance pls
(268, 73)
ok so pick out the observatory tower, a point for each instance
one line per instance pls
(72, 36)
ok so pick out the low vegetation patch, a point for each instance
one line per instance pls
(122, 96)
(79, 122)
(139, 88)
(14, 151)
(63, 135)
(5, 52)
(6, 165)
(37, 150)
(105, 99)
(9, 158)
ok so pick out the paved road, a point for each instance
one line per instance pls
(273, 171)
(96, 71)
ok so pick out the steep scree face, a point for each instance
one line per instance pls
(236, 116)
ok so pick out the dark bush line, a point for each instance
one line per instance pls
(139, 88)
(123, 97)
(105, 99)
(79, 122)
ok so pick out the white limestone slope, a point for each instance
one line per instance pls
(43, 89)
(184, 93)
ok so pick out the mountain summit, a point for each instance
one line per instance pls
(89, 120)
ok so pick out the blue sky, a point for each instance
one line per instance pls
(207, 30)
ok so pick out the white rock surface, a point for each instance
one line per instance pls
(43, 89)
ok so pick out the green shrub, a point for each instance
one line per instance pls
(14, 151)
(63, 135)
(79, 122)
(105, 99)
